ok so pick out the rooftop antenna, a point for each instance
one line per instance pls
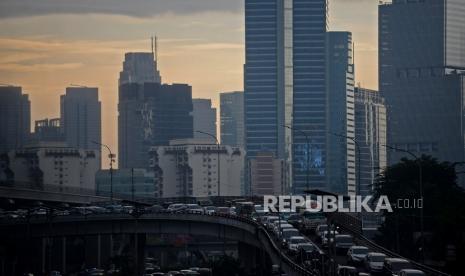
(151, 48)
(155, 48)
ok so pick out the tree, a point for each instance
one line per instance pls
(443, 209)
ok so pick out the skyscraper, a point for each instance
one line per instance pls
(342, 148)
(422, 77)
(370, 134)
(204, 116)
(80, 111)
(151, 114)
(139, 67)
(232, 118)
(285, 85)
(15, 118)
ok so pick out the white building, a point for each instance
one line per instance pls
(55, 164)
(189, 167)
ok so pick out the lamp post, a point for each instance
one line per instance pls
(218, 158)
(307, 139)
(111, 156)
(420, 182)
(357, 148)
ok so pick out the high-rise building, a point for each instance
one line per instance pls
(139, 68)
(232, 118)
(15, 118)
(422, 77)
(189, 167)
(285, 85)
(341, 150)
(151, 114)
(55, 164)
(267, 175)
(81, 117)
(48, 130)
(370, 134)
(204, 116)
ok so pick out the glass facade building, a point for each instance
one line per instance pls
(421, 73)
(232, 118)
(15, 118)
(151, 114)
(370, 134)
(285, 85)
(342, 150)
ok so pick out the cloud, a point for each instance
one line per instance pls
(133, 8)
(49, 67)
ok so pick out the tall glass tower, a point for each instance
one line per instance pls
(422, 77)
(285, 99)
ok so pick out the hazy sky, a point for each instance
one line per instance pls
(46, 45)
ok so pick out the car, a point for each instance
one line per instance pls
(278, 226)
(194, 208)
(306, 251)
(223, 210)
(327, 237)
(269, 221)
(393, 266)
(320, 229)
(176, 207)
(356, 254)
(232, 210)
(293, 243)
(411, 272)
(295, 219)
(310, 220)
(343, 243)
(155, 209)
(288, 233)
(345, 270)
(374, 261)
(209, 210)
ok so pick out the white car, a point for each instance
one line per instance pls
(374, 261)
(411, 272)
(278, 227)
(209, 210)
(356, 254)
(293, 243)
(195, 208)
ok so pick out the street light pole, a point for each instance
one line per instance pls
(111, 156)
(218, 158)
(420, 180)
(357, 148)
(308, 152)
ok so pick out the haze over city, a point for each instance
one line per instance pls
(47, 45)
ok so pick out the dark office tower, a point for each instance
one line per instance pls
(81, 117)
(139, 68)
(48, 130)
(232, 118)
(341, 145)
(285, 84)
(151, 114)
(15, 118)
(204, 116)
(370, 134)
(422, 77)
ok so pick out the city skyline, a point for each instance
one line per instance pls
(45, 57)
